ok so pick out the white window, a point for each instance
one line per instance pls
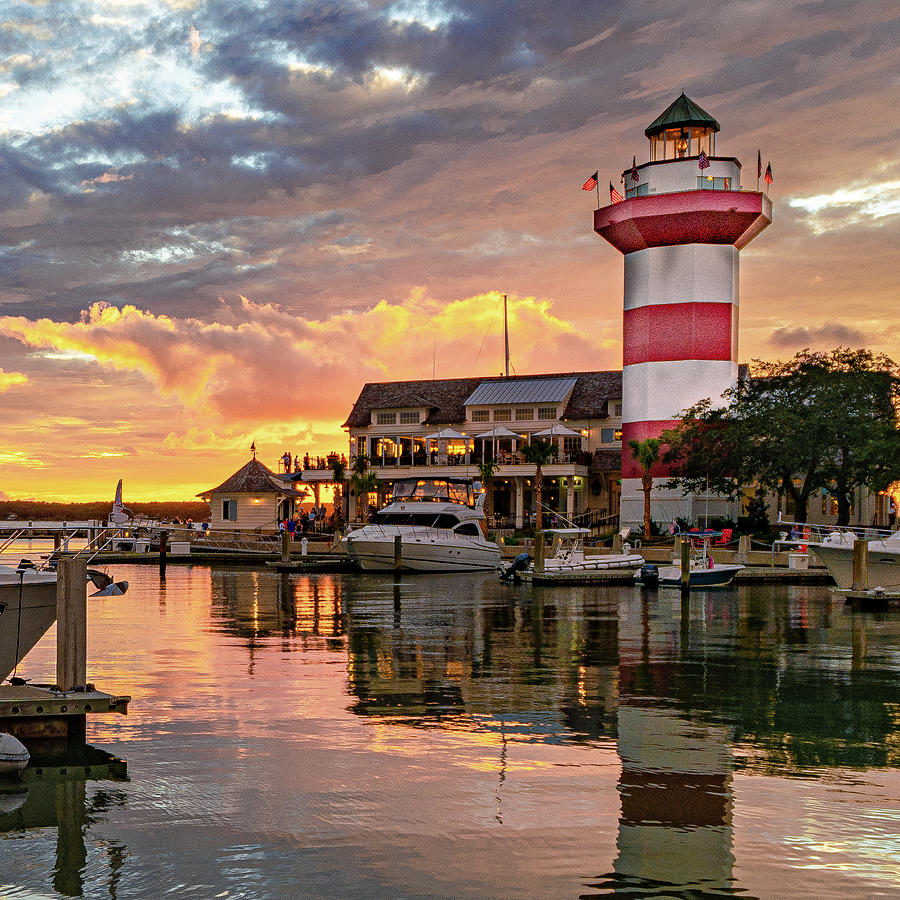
(639, 190)
(386, 418)
(546, 412)
(502, 415)
(617, 409)
(409, 418)
(229, 510)
(481, 415)
(711, 183)
(524, 415)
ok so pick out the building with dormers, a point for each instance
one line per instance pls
(445, 427)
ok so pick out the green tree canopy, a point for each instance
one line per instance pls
(647, 453)
(819, 420)
(539, 454)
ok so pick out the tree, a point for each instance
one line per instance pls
(486, 471)
(818, 421)
(538, 453)
(364, 482)
(339, 473)
(646, 452)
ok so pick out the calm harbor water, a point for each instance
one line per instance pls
(346, 736)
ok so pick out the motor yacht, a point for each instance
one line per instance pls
(441, 526)
(835, 550)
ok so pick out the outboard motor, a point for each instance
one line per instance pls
(649, 575)
(519, 564)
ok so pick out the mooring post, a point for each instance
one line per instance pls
(743, 551)
(860, 565)
(71, 624)
(163, 541)
(539, 552)
(285, 546)
(398, 552)
(685, 565)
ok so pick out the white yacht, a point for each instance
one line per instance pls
(441, 526)
(21, 628)
(835, 550)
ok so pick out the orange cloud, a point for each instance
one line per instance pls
(11, 379)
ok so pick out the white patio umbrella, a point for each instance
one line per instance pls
(557, 430)
(498, 431)
(445, 434)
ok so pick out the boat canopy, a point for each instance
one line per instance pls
(446, 490)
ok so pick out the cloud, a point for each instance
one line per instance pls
(11, 379)
(258, 362)
(829, 335)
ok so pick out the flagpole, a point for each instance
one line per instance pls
(758, 167)
(598, 193)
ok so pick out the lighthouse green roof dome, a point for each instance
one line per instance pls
(682, 112)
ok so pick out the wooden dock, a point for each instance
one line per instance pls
(37, 712)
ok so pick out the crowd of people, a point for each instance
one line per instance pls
(314, 521)
(289, 464)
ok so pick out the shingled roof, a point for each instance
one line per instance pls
(253, 478)
(445, 398)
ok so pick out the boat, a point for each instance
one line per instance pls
(835, 551)
(27, 610)
(441, 526)
(568, 560)
(13, 754)
(704, 570)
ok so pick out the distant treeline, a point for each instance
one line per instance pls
(33, 510)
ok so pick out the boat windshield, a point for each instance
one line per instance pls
(424, 519)
(444, 490)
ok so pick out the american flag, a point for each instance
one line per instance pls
(614, 195)
(635, 175)
(591, 183)
(768, 176)
(704, 161)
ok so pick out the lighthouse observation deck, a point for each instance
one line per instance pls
(675, 202)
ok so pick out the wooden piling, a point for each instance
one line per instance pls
(539, 552)
(285, 546)
(71, 624)
(163, 541)
(685, 565)
(398, 552)
(860, 565)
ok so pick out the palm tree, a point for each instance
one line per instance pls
(646, 452)
(538, 453)
(364, 483)
(486, 471)
(339, 472)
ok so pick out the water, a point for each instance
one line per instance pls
(454, 737)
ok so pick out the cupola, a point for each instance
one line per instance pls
(683, 130)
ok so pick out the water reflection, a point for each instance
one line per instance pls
(54, 793)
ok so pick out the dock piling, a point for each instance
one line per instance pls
(685, 566)
(71, 624)
(539, 552)
(860, 566)
(163, 541)
(285, 546)
(398, 553)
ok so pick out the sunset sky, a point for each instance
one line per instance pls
(219, 219)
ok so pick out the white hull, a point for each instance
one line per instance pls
(422, 550)
(884, 563)
(598, 563)
(38, 614)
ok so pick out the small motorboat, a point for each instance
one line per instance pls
(704, 571)
(13, 755)
(568, 559)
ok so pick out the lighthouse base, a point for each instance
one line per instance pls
(667, 505)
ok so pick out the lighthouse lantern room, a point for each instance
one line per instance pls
(680, 228)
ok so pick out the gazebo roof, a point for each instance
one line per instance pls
(252, 478)
(682, 112)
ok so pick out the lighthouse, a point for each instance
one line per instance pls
(681, 226)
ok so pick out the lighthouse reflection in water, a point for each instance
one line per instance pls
(452, 736)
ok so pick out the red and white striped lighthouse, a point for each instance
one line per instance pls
(681, 226)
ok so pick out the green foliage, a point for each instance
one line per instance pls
(647, 453)
(819, 420)
(539, 454)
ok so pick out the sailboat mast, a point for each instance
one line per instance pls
(505, 336)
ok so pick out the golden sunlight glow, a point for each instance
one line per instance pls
(11, 379)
